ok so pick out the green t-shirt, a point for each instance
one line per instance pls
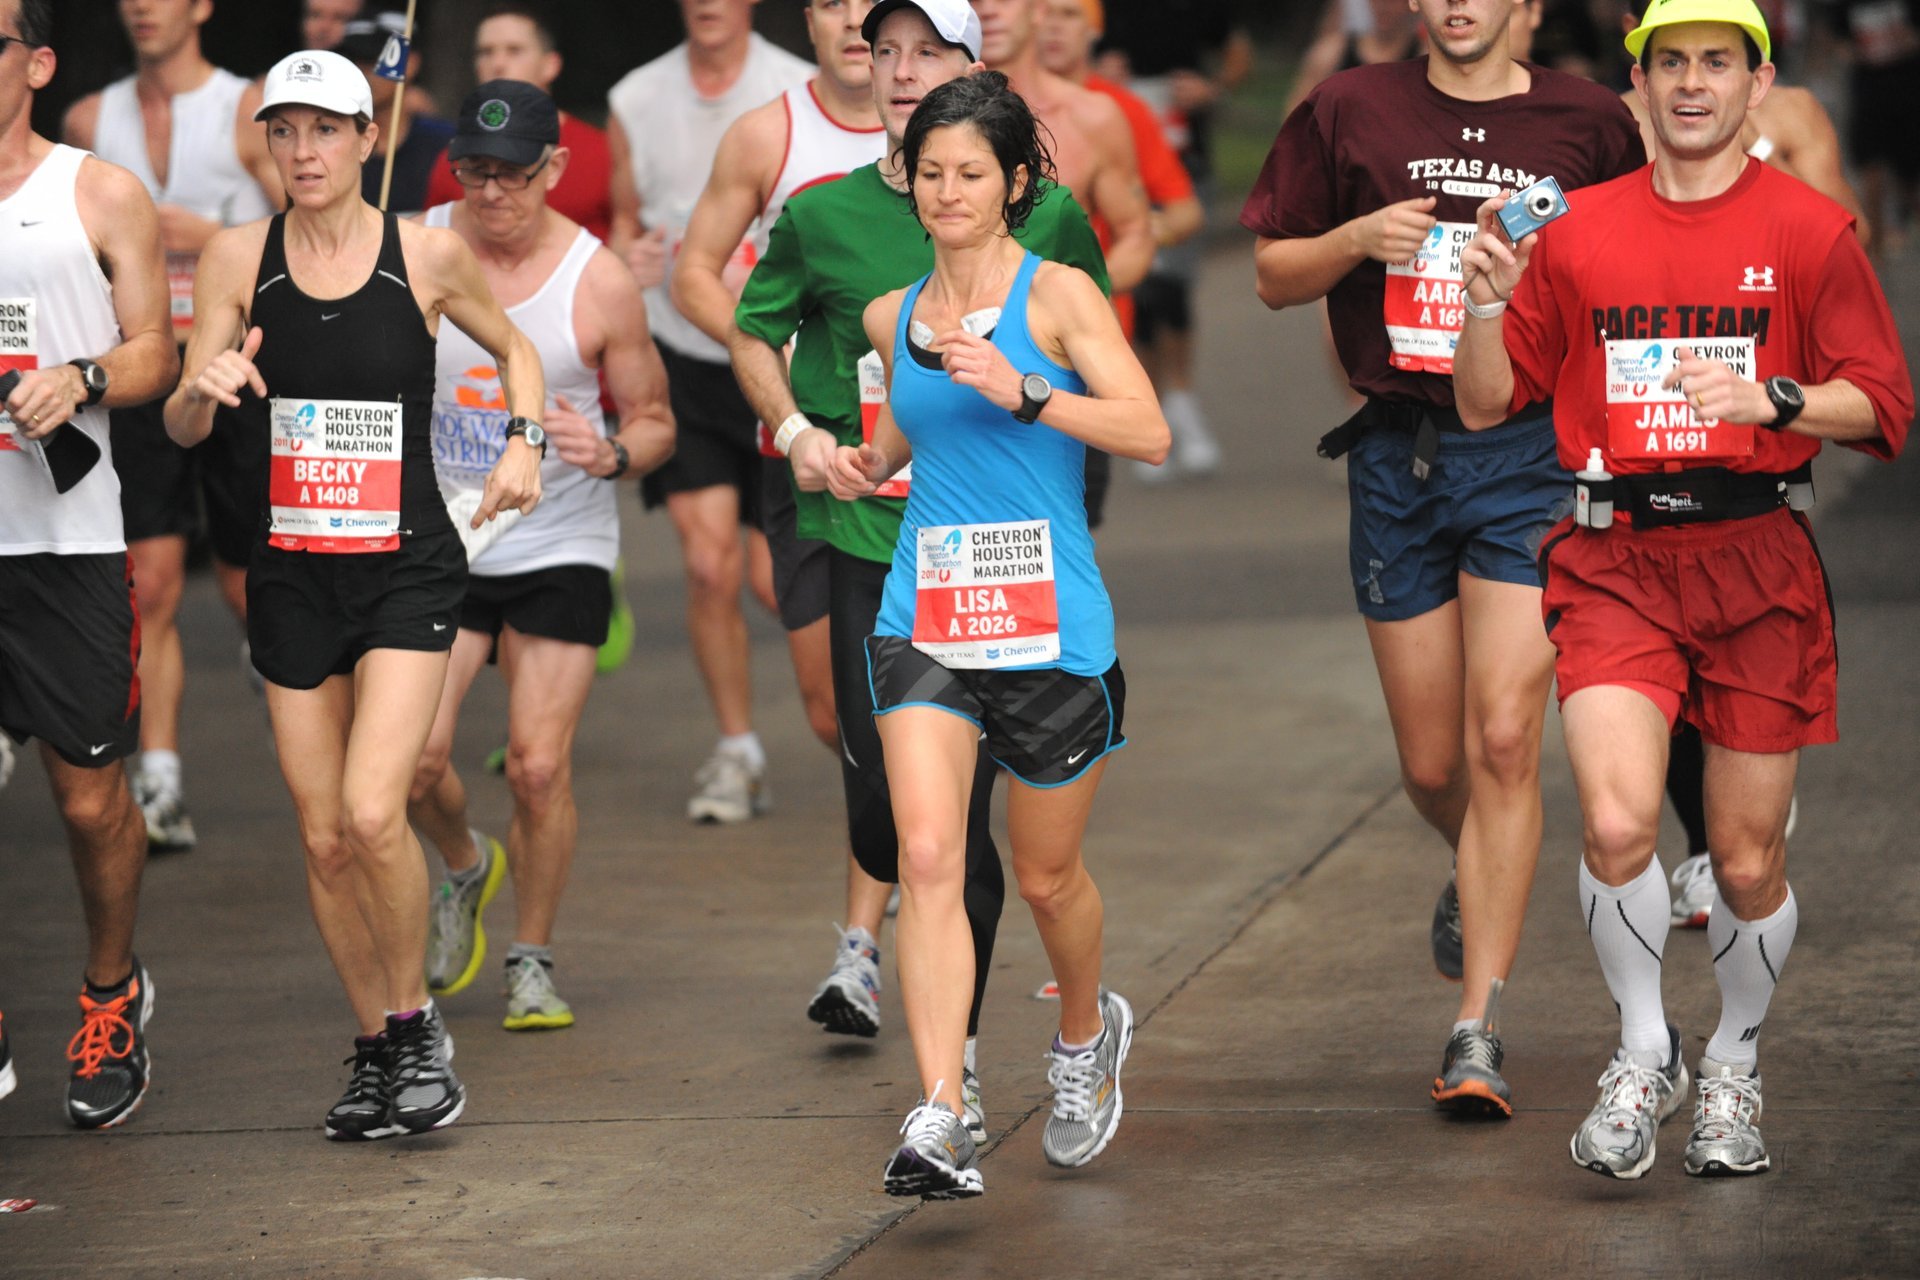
(834, 249)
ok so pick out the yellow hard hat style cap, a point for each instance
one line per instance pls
(1667, 13)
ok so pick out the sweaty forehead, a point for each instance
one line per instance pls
(1697, 39)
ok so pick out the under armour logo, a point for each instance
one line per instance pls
(1757, 280)
(1473, 135)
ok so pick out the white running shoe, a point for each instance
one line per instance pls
(728, 789)
(1086, 1089)
(938, 1161)
(169, 827)
(847, 1002)
(1726, 1139)
(1617, 1137)
(972, 1113)
(1693, 892)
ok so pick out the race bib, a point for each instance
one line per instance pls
(334, 482)
(1644, 421)
(1422, 308)
(180, 269)
(873, 394)
(984, 595)
(19, 349)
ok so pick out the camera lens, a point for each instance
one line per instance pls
(1540, 203)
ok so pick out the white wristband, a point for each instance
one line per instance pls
(1489, 312)
(784, 434)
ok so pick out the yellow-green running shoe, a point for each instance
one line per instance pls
(456, 937)
(532, 1003)
(619, 644)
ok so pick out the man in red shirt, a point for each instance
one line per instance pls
(1366, 200)
(1702, 325)
(513, 42)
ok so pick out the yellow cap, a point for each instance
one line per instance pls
(1667, 13)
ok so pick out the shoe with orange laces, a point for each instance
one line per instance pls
(6, 1063)
(109, 1052)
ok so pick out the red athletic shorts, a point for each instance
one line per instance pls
(1733, 619)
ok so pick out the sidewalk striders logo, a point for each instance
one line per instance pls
(1757, 280)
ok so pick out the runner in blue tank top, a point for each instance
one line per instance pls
(995, 620)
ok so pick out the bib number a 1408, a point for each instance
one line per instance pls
(334, 479)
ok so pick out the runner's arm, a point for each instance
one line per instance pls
(1118, 194)
(857, 472)
(119, 221)
(250, 145)
(643, 251)
(219, 360)
(1295, 270)
(78, 125)
(631, 366)
(1815, 157)
(743, 176)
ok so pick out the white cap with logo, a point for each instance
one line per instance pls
(954, 21)
(317, 78)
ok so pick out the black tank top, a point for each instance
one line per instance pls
(371, 345)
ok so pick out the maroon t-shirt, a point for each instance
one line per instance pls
(1377, 135)
(585, 190)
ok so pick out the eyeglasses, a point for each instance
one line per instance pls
(508, 179)
(6, 40)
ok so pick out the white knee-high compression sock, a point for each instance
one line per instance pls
(1748, 956)
(1628, 926)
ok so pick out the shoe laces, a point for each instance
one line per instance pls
(724, 768)
(1073, 1077)
(928, 1122)
(369, 1078)
(528, 981)
(853, 955)
(411, 1051)
(1627, 1087)
(1688, 875)
(1477, 1047)
(103, 1028)
(1727, 1102)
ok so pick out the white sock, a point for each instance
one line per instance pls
(1628, 926)
(1747, 959)
(747, 747)
(163, 767)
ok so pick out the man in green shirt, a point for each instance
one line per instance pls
(834, 249)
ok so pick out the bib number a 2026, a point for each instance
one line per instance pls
(984, 595)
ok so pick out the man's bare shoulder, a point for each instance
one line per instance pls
(104, 188)
(77, 127)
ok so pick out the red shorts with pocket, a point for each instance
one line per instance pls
(1733, 617)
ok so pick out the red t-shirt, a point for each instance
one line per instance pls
(1377, 135)
(584, 193)
(1766, 275)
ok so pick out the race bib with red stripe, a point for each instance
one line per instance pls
(19, 349)
(1423, 310)
(180, 269)
(1646, 422)
(334, 483)
(984, 595)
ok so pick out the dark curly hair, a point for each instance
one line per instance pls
(1003, 119)
(35, 20)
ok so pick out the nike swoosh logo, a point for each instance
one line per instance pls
(1075, 757)
(325, 316)
(36, 222)
(439, 626)
(94, 751)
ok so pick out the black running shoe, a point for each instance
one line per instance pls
(6, 1062)
(365, 1111)
(426, 1094)
(109, 1052)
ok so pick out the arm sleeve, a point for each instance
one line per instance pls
(776, 295)
(1295, 194)
(1850, 334)
(1535, 336)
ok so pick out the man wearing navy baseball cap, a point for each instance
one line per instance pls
(508, 120)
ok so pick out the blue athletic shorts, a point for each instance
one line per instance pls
(1483, 510)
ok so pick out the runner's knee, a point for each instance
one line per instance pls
(1619, 840)
(537, 776)
(931, 861)
(1506, 748)
(92, 812)
(1050, 891)
(372, 826)
(435, 758)
(714, 566)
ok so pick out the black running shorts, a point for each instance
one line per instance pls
(69, 655)
(715, 436)
(158, 479)
(1045, 727)
(799, 564)
(312, 615)
(570, 602)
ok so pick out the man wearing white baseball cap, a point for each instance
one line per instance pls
(317, 326)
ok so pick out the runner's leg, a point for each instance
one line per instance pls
(811, 648)
(108, 841)
(548, 682)
(437, 805)
(1421, 663)
(1045, 826)
(708, 522)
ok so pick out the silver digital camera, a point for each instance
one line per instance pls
(1532, 209)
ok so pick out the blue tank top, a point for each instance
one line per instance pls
(994, 568)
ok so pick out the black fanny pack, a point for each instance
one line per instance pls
(1426, 423)
(1700, 494)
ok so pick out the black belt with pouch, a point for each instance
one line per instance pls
(1426, 423)
(1700, 494)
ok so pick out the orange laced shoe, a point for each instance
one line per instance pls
(109, 1054)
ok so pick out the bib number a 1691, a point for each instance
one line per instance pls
(1645, 421)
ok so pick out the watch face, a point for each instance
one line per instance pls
(536, 435)
(1788, 390)
(1036, 387)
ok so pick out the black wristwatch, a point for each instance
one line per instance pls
(93, 376)
(535, 433)
(621, 460)
(1788, 400)
(1035, 391)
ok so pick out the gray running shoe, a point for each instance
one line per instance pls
(1693, 892)
(728, 789)
(532, 1003)
(1449, 957)
(424, 1092)
(847, 1001)
(1617, 1137)
(169, 828)
(1469, 1083)
(971, 1111)
(1086, 1089)
(938, 1161)
(456, 934)
(1725, 1140)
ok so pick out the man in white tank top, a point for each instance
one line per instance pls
(185, 128)
(83, 326)
(538, 597)
(820, 131)
(666, 121)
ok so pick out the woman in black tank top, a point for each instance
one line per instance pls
(318, 326)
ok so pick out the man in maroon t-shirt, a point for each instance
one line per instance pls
(513, 43)
(1674, 315)
(1366, 199)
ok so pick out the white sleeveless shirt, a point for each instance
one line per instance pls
(204, 173)
(578, 519)
(819, 149)
(55, 306)
(672, 133)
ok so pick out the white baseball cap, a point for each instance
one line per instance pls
(316, 78)
(953, 20)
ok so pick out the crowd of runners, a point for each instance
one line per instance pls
(871, 329)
